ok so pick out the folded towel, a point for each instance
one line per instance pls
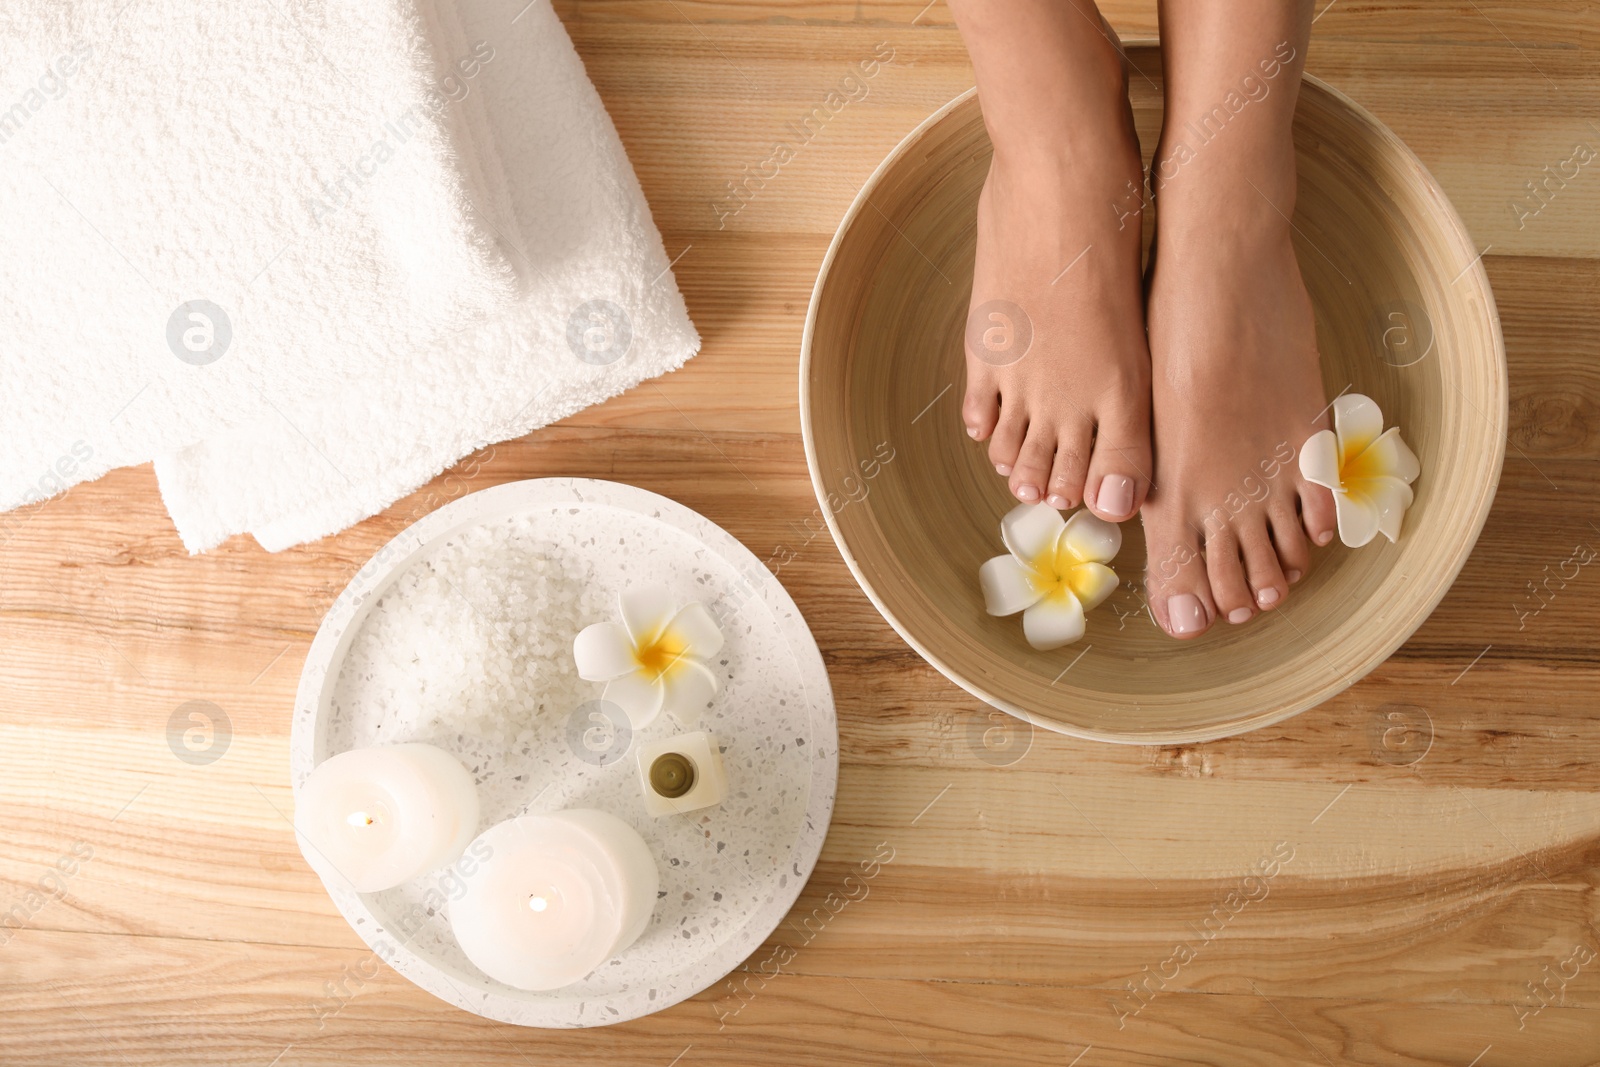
(600, 312)
(208, 205)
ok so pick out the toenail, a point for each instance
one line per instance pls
(972, 431)
(1027, 494)
(1293, 576)
(1057, 501)
(1116, 495)
(1324, 537)
(1186, 614)
(1238, 615)
(1003, 469)
(1267, 597)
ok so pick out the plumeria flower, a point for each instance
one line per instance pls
(1055, 572)
(1369, 469)
(654, 660)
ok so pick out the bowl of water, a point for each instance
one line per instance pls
(1404, 315)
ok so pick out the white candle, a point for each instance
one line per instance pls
(559, 895)
(375, 817)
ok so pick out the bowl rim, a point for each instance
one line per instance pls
(1454, 229)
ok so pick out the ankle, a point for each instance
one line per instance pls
(1253, 150)
(1078, 166)
(1078, 120)
(1092, 154)
(1243, 195)
(1240, 227)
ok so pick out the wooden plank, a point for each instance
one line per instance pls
(309, 1007)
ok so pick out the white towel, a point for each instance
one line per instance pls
(209, 206)
(600, 313)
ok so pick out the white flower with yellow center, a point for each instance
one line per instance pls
(1369, 469)
(654, 660)
(1055, 572)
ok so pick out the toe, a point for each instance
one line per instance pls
(1006, 441)
(980, 410)
(1031, 471)
(1071, 466)
(1229, 589)
(1317, 512)
(1175, 583)
(1118, 476)
(1268, 585)
(1289, 538)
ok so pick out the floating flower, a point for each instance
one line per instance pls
(1056, 571)
(652, 661)
(1369, 469)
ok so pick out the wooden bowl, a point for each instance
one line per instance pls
(1404, 315)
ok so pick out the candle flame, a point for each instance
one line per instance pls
(538, 903)
(360, 818)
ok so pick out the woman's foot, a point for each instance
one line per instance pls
(1237, 391)
(1236, 386)
(1058, 371)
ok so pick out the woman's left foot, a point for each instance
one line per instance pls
(1237, 390)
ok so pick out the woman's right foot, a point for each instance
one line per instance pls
(1058, 370)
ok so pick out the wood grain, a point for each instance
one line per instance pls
(1407, 928)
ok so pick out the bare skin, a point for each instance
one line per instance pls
(1229, 372)
(1237, 387)
(1059, 256)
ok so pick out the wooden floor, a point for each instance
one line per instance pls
(1405, 875)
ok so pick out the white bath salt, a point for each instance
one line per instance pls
(475, 638)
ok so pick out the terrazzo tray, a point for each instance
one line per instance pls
(728, 873)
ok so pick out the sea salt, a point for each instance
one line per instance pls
(475, 638)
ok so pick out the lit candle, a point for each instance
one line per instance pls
(559, 895)
(375, 817)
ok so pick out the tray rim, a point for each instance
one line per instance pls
(342, 622)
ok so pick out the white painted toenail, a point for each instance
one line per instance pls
(1057, 501)
(1116, 495)
(1293, 576)
(1238, 615)
(1002, 469)
(1324, 537)
(1186, 614)
(1267, 597)
(1027, 494)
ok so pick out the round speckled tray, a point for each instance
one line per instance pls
(728, 873)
